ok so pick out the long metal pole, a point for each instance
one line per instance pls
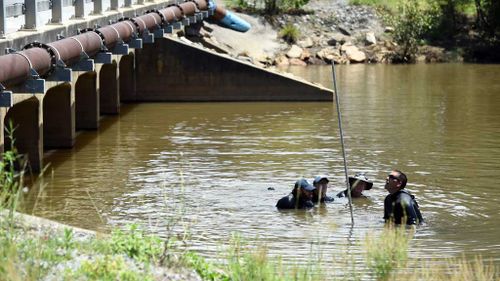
(342, 139)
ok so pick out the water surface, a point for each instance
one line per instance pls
(208, 166)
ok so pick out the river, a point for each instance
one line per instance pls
(207, 167)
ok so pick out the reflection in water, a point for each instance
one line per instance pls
(212, 164)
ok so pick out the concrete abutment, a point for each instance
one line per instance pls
(26, 119)
(59, 117)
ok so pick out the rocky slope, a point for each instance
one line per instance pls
(329, 31)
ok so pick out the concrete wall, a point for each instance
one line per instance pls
(170, 70)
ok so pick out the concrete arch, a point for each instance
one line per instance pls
(87, 102)
(127, 78)
(25, 118)
(109, 89)
(59, 117)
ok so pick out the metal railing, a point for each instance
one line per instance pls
(16, 15)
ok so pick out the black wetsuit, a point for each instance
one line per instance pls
(291, 202)
(342, 194)
(325, 199)
(402, 205)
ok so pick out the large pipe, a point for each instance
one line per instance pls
(15, 67)
(228, 19)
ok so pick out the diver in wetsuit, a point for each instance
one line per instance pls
(400, 206)
(321, 185)
(357, 185)
(299, 198)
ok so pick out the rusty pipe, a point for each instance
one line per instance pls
(16, 66)
(113, 33)
(70, 49)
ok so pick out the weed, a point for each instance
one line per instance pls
(290, 33)
(107, 268)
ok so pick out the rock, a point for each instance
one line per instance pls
(370, 38)
(353, 53)
(326, 52)
(305, 55)
(330, 54)
(306, 43)
(420, 59)
(294, 52)
(338, 38)
(315, 61)
(344, 30)
(295, 61)
(281, 61)
(389, 29)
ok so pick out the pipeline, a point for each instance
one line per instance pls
(42, 58)
(228, 19)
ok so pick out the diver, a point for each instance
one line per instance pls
(300, 197)
(400, 206)
(357, 184)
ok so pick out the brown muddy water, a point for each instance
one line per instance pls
(208, 166)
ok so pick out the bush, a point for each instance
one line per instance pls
(290, 33)
(412, 21)
(269, 7)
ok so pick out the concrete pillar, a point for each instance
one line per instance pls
(97, 7)
(87, 101)
(128, 3)
(127, 78)
(58, 117)
(114, 5)
(26, 118)
(79, 9)
(3, 19)
(109, 98)
(30, 17)
(57, 11)
(140, 2)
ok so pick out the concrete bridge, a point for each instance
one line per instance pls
(68, 64)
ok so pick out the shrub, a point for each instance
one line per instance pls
(290, 33)
(411, 22)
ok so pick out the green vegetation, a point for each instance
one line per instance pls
(473, 25)
(290, 33)
(412, 21)
(269, 7)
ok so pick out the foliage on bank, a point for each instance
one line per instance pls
(268, 7)
(470, 25)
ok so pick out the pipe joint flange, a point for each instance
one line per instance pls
(54, 57)
(103, 39)
(134, 22)
(162, 16)
(180, 8)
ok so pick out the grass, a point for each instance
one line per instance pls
(290, 33)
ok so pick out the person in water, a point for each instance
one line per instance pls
(300, 198)
(400, 206)
(321, 185)
(357, 184)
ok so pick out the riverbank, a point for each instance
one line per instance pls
(323, 31)
(38, 249)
